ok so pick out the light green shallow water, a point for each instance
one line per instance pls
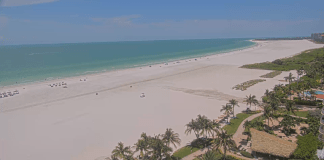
(30, 63)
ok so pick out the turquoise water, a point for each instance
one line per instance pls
(316, 92)
(30, 63)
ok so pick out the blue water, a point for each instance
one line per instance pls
(30, 63)
(316, 92)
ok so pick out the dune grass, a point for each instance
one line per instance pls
(290, 63)
(243, 86)
(271, 74)
(235, 123)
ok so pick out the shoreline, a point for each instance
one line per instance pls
(256, 44)
(77, 124)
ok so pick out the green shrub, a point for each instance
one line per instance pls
(270, 131)
(246, 154)
(307, 146)
(277, 61)
(304, 102)
(297, 98)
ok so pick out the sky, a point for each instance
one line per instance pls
(75, 21)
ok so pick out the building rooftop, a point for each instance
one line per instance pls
(266, 143)
(320, 96)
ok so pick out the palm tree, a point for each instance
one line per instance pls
(287, 122)
(267, 113)
(290, 77)
(193, 126)
(251, 100)
(223, 140)
(142, 146)
(274, 101)
(228, 110)
(171, 137)
(158, 149)
(212, 127)
(112, 157)
(202, 123)
(234, 103)
(299, 73)
(248, 124)
(122, 152)
(290, 107)
(267, 93)
(312, 93)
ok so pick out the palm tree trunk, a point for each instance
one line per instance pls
(233, 111)
(224, 153)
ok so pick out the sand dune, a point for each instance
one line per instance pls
(74, 123)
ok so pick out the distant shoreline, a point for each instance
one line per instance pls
(162, 62)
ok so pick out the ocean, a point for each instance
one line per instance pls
(32, 63)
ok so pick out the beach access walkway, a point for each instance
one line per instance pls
(237, 137)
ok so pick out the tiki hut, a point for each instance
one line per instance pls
(263, 142)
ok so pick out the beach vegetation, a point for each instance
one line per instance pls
(243, 86)
(149, 147)
(227, 110)
(170, 137)
(290, 63)
(251, 99)
(201, 126)
(233, 103)
(224, 141)
(271, 74)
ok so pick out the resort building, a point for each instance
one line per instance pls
(317, 36)
(267, 145)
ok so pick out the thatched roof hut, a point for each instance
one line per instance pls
(266, 143)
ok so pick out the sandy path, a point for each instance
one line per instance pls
(76, 124)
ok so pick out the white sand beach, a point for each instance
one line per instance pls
(56, 123)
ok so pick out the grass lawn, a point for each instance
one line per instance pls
(301, 113)
(219, 156)
(184, 151)
(235, 123)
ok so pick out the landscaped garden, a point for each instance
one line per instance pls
(235, 123)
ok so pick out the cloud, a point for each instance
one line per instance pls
(121, 21)
(10, 3)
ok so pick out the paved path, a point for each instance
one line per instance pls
(237, 137)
